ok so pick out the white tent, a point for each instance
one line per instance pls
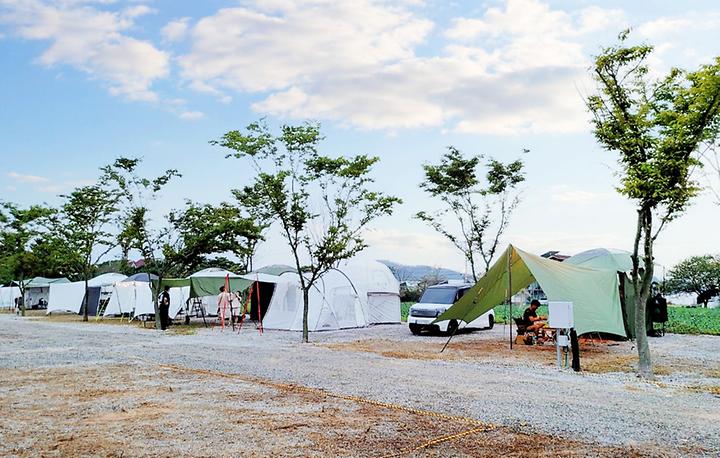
(178, 296)
(68, 297)
(214, 272)
(8, 294)
(127, 296)
(356, 294)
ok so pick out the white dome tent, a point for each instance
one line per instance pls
(356, 294)
(68, 297)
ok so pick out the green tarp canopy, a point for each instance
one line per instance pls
(207, 286)
(594, 293)
(42, 282)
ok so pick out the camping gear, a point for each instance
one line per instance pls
(594, 293)
(37, 290)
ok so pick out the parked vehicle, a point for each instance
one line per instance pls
(434, 301)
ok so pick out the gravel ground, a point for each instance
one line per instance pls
(503, 388)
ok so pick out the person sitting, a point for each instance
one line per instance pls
(531, 320)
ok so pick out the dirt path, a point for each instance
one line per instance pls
(85, 370)
(141, 410)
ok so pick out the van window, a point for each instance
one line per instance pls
(461, 293)
(439, 296)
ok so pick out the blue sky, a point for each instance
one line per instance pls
(84, 81)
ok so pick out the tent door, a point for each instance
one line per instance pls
(383, 308)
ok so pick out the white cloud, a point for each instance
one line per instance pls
(566, 194)
(175, 30)
(281, 42)
(91, 41)
(22, 178)
(191, 115)
(512, 70)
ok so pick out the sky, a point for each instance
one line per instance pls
(85, 81)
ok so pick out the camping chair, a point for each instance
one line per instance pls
(523, 331)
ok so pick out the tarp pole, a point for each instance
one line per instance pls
(509, 292)
(259, 310)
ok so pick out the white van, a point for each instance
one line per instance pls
(434, 301)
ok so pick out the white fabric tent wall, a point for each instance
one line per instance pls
(66, 297)
(8, 294)
(178, 296)
(127, 296)
(378, 288)
(355, 295)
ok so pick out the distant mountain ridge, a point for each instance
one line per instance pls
(416, 273)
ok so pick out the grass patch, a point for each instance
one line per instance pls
(693, 320)
(502, 312)
(405, 310)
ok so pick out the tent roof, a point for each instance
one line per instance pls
(214, 272)
(276, 269)
(142, 276)
(42, 282)
(262, 277)
(594, 293)
(107, 279)
(603, 259)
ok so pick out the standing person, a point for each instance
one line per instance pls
(165, 308)
(223, 303)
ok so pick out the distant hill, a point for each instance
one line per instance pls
(416, 273)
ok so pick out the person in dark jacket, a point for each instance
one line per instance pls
(165, 308)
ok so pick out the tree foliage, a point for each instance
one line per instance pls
(695, 275)
(656, 127)
(83, 229)
(203, 230)
(21, 231)
(321, 203)
(137, 230)
(480, 210)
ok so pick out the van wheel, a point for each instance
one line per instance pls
(491, 322)
(452, 327)
(415, 329)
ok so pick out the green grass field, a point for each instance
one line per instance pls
(681, 320)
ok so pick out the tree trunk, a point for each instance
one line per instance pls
(306, 309)
(472, 267)
(87, 297)
(21, 300)
(642, 283)
(156, 293)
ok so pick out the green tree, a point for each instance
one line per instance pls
(137, 230)
(20, 229)
(203, 230)
(85, 220)
(480, 210)
(711, 160)
(695, 275)
(656, 127)
(321, 203)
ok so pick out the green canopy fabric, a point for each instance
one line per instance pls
(594, 293)
(174, 282)
(210, 286)
(207, 286)
(603, 259)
